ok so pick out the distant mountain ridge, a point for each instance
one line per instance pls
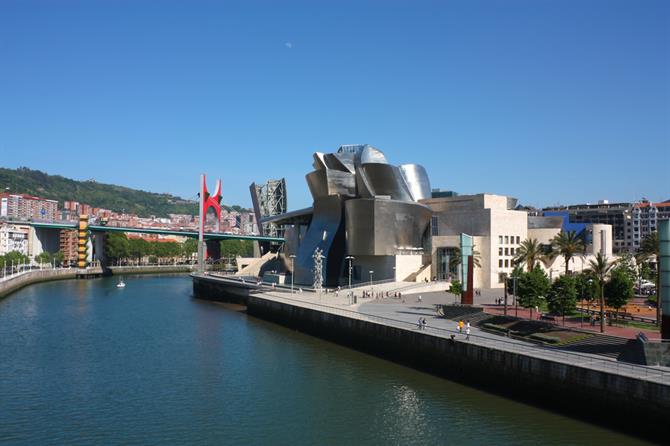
(100, 195)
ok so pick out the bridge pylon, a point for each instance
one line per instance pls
(82, 242)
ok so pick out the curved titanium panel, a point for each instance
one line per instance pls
(385, 180)
(371, 154)
(331, 182)
(384, 227)
(417, 181)
(326, 231)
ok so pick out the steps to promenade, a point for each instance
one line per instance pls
(602, 345)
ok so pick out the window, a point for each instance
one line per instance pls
(518, 239)
(506, 239)
(506, 251)
(500, 251)
(500, 239)
(511, 251)
(506, 263)
(500, 263)
(434, 229)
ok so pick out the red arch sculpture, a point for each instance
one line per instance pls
(210, 201)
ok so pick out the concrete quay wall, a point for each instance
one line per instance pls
(601, 397)
(10, 285)
(636, 406)
(163, 269)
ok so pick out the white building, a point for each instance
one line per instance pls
(498, 229)
(14, 238)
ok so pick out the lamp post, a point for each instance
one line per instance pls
(516, 302)
(292, 256)
(505, 298)
(350, 258)
(371, 273)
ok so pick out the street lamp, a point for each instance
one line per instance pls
(292, 256)
(371, 273)
(350, 258)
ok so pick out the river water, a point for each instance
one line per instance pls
(83, 362)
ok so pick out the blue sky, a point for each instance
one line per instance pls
(548, 101)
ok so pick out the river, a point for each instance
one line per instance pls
(84, 362)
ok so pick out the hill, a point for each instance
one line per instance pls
(100, 195)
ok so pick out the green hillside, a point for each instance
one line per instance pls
(107, 196)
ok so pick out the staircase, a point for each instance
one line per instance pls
(603, 345)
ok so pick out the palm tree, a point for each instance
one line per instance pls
(530, 252)
(567, 245)
(600, 267)
(651, 247)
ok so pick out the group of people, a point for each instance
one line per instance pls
(466, 326)
(422, 323)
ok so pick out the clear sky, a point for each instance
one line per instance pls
(548, 101)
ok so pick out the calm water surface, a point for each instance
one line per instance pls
(82, 362)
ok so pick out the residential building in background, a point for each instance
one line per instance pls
(27, 207)
(630, 222)
(68, 243)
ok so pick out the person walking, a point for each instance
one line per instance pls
(467, 333)
(420, 324)
(424, 323)
(460, 326)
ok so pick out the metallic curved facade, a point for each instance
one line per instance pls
(417, 181)
(363, 206)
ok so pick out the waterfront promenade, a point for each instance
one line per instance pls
(394, 313)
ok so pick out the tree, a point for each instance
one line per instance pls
(43, 257)
(456, 288)
(562, 297)
(567, 245)
(15, 258)
(235, 248)
(189, 247)
(619, 288)
(587, 286)
(529, 252)
(600, 267)
(532, 287)
(138, 248)
(651, 247)
(116, 245)
(59, 258)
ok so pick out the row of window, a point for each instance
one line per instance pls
(507, 251)
(507, 239)
(507, 263)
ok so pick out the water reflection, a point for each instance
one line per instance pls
(82, 363)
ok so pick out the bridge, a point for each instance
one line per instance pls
(45, 236)
(159, 231)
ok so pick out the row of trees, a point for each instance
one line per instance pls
(615, 280)
(17, 258)
(13, 258)
(612, 283)
(120, 247)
